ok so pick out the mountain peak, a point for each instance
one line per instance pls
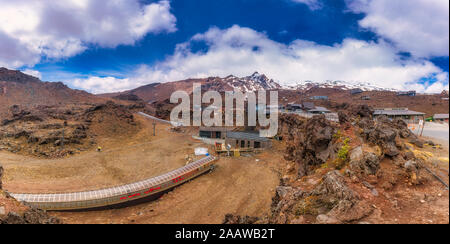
(15, 76)
(254, 82)
(256, 73)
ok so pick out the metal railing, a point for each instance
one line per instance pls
(119, 194)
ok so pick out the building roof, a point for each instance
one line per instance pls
(356, 90)
(319, 109)
(252, 136)
(319, 97)
(309, 105)
(294, 105)
(440, 116)
(399, 112)
(214, 128)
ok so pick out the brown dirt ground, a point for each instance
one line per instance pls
(242, 186)
(123, 160)
(238, 185)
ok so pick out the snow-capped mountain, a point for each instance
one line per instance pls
(254, 82)
(365, 86)
(258, 81)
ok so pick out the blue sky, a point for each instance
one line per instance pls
(402, 45)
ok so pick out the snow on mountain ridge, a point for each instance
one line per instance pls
(365, 86)
(258, 81)
(253, 82)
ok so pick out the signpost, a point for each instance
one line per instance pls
(421, 124)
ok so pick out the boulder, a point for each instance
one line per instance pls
(411, 166)
(333, 186)
(417, 142)
(325, 219)
(282, 191)
(366, 163)
(356, 154)
(431, 143)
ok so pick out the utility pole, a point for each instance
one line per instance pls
(62, 140)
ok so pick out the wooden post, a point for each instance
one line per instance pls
(423, 125)
(62, 140)
(154, 128)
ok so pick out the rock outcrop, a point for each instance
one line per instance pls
(31, 216)
(386, 134)
(366, 163)
(233, 219)
(52, 131)
(308, 143)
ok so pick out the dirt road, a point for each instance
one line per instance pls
(437, 130)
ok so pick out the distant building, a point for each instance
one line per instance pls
(356, 91)
(407, 93)
(319, 97)
(294, 107)
(365, 98)
(403, 113)
(307, 107)
(319, 110)
(246, 140)
(441, 117)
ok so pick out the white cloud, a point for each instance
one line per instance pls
(420, 27)
(34, 73)
(104, 84)
(241, 51)
(312, 4)
(30, 30)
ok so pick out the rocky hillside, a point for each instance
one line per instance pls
(356, 171)
(48, 119)
(17, 88)
(57, 131)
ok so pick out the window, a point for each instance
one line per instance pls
(205, 134)
(242, 144)
(257, 144)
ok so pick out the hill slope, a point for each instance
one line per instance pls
(17, 88)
